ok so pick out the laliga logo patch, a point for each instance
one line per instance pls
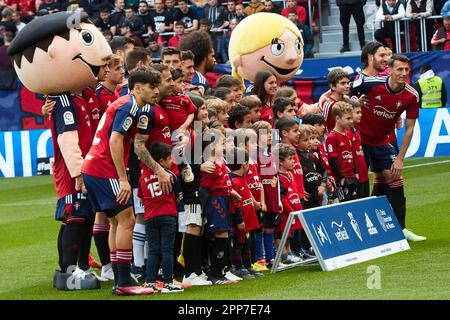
(127, 123)
(68, 118)
(143, 122)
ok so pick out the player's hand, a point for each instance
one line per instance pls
(397, 169)
(207, 167)
(263, 207)
(321, 190)
(364, 100)
(342, 181)
(235, 196)
(241, 226)
(307, 196)
(47, 107)
(124, 192)
(324, 96)
(165, 180)
(79, 184)
(280, 206)
(257, 205)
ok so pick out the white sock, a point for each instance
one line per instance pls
(138, 244)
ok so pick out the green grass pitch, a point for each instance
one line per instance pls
(28, 252)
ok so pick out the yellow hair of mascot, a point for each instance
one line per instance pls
(59, 53)
(265, 41)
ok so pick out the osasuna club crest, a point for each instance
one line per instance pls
(399, 104)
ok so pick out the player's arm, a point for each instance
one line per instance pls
(65, 119)
(164, 178)
(397, 166)
(187, 123)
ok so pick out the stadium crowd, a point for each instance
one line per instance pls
(168, 216)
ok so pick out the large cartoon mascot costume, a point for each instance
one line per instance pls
(265, 41)
(59, 55)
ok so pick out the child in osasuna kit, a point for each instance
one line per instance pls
(340, 151)
(289, 198)
(283, 107)
(363, 189)
(160, 219)
(247, 222)
(269, 179)
(180, 110)
(253, 103)
(247, 138)
(318, 122)
(289, 134)
(216, 201)
(338, 80)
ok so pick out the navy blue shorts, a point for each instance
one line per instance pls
(217, 214)
(270, 219)
(102, 193)
(73, 205)
(379, 158)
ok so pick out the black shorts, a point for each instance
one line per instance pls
(271, 219)
(379, 158)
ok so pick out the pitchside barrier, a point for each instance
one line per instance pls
(347, 233)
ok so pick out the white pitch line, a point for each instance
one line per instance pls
(426, 164)
(422, 164)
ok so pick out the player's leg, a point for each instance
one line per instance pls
(83, 256)
(101, 235)
(138, 235)
(124, 235)
(113, 249)
(60, 245)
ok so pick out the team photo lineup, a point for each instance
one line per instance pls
(178, 182)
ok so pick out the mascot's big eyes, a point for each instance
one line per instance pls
(277, 47)
(87, 38)
(298, 46)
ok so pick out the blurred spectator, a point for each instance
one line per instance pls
(7, 24)
(144, 14)
(134, 21)
(137, 58)
(71, 5)
(445, 11)
(438, 5)
(170, 7)
(119, 12)
(347, 9)
(198, 6)
(388, 12)
(204, 25)
(154, 48)
(104, 22)
(5, 60)
(51, 6)
(253, 7)
(17, 21)
(269, 6)
(301, 12)
(240, 12)
(306, 34)
(95, 7)
(225, 41)
(179, 33)
(214, 14)
(12, 4)
(431, 89)
(187, 15)
(417, 9)
(27, 9)
(126, 31)
(229, 12)
(162, 20)
(441, 38)
(108, 35)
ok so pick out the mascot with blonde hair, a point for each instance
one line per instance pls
(265, 41)
(60, 55)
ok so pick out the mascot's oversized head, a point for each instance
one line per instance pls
(265, 41)
(59, 53)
